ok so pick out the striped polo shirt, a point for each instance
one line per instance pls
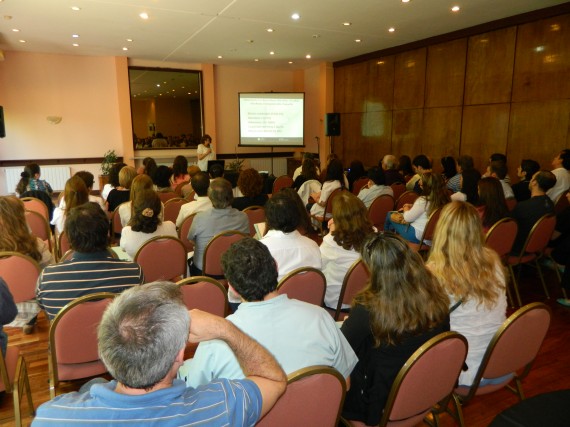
(84, 274)
(219, 403)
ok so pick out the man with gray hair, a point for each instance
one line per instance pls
(142, 338)
(390, 164)
(208, 223)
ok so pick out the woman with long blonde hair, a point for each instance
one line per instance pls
(473, 277)
(400, 309)
(74, 194)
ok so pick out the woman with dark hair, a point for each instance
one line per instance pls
(525, 172)
(179, 171)
(405, 167)
(148, 167)
(355, 172)
(30, 180)
(145, 223)
(113, 180)
(411, 221)
(308, 172)
(468, 182)
(75, 194)
(341, 247)
(205, 152)
(161, 179)
(449, 167)
(492, 205)
(304, 226)
(400, 309)
(250, 183)
(334, 179)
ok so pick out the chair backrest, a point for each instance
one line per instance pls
(39, 226)
(540, 234)
(63, 244)
(8, 368)
(429, 230)
(354, 281)
(172, 208)
(427, 378)
(212, 261)
(116, 225)
(314, 397)
(358, 184)
(284, 181)
(561, 203)
(511, 203)
(204, 293)
(14, 379)
(328, 206)
(178, 189)
(190, 195)
(162, 258)
(407, 197)
(513, 347)
(73, 352)
(36, 205)
(379, 209)
(183, 233)
(306, 284)
(398, 188)
(255, 215)
(20, 272)
(501, 236)
(165, 197)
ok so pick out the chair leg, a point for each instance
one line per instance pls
(515, 285)
(542, 278)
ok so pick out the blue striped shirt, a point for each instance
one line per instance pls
(220, 403)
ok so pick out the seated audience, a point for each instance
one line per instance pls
(449, 168)
(400, 309)
(561, 171)
(411, 221)
(148, 167)
(473, 277)
(308, 172)
(421, 165)
(89, 181)
(334, 179)
(299, 170)
(250, 184)
(405, 167)
(113, 180)
(200, 184)
(8, 312)
(179, 171)
(140, 184)
(121, 194)
(498, 158)
(375, 187)
(341, 247)
(469, 180)
(30, 180)
(288, 247)
(75, 194)
(145, 223)
(90, 269)
(355, 172)
(390, 166)
(304, 226)
(307, 334)
(221, 217)
(525, 172)
(141, 340)
(528, 212)
(492, 206)
(498, 169)
(161, 179)
(464, 163)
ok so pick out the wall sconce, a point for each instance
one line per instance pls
(54, 120)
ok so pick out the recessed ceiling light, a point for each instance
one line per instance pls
(290, 62)
(75, 44)
(143, 15)
(129, 40)
(391, 29)
(357, 40)
(220, 57)
(22, 41)
(455, 9)
(158, 85)
(347, 24)
(308, 56)
(295, 16)
(75, 36)
(15, 30)
(75, 8)
(380, 62)
(256, 60)
(405, 1)
(125, 48)
(270, 30)
(272, 53)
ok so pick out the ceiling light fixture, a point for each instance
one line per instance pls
(129, 40)
(357, 40)
(22, 41)
(347, 24)
(295, 16)
(125, 48)
(455, 9)
(270, 30)
(75, 36)
(220, 57)
(256, 60)
(272, 53)
(405, 1)
(75, 8)
(143, 15)
(15, 30)
(391, 29)
(75, 44)
(290, 62)
(308, 56)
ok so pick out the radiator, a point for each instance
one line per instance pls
(278, 167)
(56, 176)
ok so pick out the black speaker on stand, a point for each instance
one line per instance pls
(332, 127)
(2, 127)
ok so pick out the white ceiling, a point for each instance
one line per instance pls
(198, 31)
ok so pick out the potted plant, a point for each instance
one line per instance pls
(109, 159)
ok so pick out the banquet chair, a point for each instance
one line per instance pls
(172, 208)
(63, 244)
(183, 233)
(305, 284)
(212, 261)
(398, 188)
(532, 250)
(511, 203)
(358, 184)
(255, 215)
(20, 272)
(178, 189)
(204, 293)
(379, 209)
(561, 203)
(314, 397)
(423, 247)
(512, 349)
(354, 281)
(162, 258)
(39, 227)
(36, 205)
(14, 381)
(500, 238)
(425, 383)
(116, 225)
(165, 197)
(283, 181)
(407, 197)
(73, 352)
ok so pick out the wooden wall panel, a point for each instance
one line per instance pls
(409, 79)
(380, 95)
(490, 61)
(542, 60)
(445, 74)
(407, 132)
(484, 131)
(340, 85)
(441, 132)
(357, 87)
(538, 131)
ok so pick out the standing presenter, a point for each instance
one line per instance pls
(205, 152)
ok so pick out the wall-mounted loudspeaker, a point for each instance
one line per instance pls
(332, 124)
(2, 128)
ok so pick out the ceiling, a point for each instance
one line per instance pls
(234, 32)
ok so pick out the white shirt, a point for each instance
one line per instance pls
(198, 205)
(368, 195)
(292, 251)
(562, 184)
(459, 196)
(509, 194)
(336, 262)
(202, 149)
(307, 188)
(58, 217)
(326, 190)
(418, 216)
(131, 240)
(106, 190)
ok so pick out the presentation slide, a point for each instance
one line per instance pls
(271, 119)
